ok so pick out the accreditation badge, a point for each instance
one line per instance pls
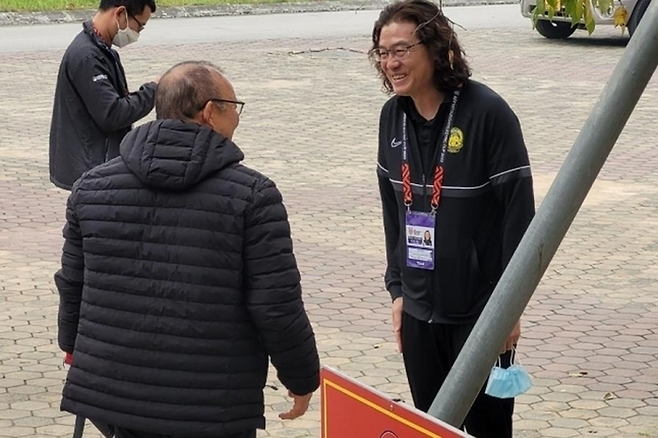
(420, 239)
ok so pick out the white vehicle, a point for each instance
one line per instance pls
(560, 26)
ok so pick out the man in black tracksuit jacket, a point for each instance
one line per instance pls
(485, 199)
(93, 109)
(178, 278)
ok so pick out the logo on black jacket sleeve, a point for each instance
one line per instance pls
(99, 78)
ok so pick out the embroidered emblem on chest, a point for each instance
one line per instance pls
(456, 140)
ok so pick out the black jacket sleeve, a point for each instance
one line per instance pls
(110, 110)
(69, 280)
(519, 209)
(509, 170)
(391, 218)
(274, 294)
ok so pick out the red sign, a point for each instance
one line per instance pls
(353, 410)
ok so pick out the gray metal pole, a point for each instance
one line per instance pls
(551, 222)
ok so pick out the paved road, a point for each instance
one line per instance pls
(591, 331)
(252, 28)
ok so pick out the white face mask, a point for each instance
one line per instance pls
(125, 36)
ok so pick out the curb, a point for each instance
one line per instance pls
(78, 16)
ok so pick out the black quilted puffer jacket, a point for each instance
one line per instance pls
(178, 282)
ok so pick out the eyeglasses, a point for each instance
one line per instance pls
(238, 105)
(399, 52)
(141, 26)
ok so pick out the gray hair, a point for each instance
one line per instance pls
(185, 88)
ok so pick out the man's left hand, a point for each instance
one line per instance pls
(299, 408)
(513, 338)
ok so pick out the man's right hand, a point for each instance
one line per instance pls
(299, 407)
(397, 322)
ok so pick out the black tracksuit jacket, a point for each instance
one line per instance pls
(486, 202)
(93, 109)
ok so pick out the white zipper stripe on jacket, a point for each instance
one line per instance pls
(509, 171)
(459, 187)
(445, 187)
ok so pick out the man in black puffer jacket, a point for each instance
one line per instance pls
(178, 278)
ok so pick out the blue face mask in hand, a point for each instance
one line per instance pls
(508, 382)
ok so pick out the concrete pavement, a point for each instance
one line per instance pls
(590, 333)
(287, 7)
(220, 30)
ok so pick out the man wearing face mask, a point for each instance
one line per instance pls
(172, 308)
(93, 108)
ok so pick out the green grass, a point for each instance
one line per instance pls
(58, 5)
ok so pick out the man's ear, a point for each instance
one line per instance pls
(119, 12)
(206, 113)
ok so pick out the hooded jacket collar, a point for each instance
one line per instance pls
(176, 155)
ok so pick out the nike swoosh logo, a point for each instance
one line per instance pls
(395, 143)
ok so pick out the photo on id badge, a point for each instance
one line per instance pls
(420, 240)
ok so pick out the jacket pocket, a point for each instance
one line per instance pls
(461, 287)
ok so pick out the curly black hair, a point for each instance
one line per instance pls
(435, 31)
